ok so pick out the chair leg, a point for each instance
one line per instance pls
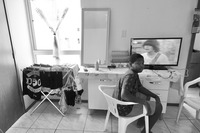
(147, 124)
(179, 111)
(122, 125)
(107, 119)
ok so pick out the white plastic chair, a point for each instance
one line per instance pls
(123, 122)
(192, 101)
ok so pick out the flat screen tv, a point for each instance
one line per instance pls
(158, 53)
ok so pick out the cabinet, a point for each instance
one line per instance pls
(95, 98)
(104, 76)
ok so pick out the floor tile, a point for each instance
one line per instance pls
(41, 131)
(67, 131)
(73, 122)
(51, 109)
(196, 123)
(96, 123)
(171, 113)
(17, 130)
(131, 127)
(26, 120)
(160, 127)
(47, 121)
(78, 109)
(40, 108)
(184, 126)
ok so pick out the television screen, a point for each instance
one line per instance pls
(157, 51)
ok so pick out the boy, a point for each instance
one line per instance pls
(130, 89)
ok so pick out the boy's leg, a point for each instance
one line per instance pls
(141, 122)
(155, 116)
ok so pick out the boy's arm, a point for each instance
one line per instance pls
(147, 92)
(127, 96)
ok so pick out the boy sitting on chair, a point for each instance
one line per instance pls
(130, 89)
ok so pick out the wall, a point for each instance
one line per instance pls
(11, 100)
(20, 37)
(154, 18)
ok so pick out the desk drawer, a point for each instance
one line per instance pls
(98, 76)
(158, 85)
(93, 75)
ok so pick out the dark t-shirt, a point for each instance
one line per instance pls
(131, 82)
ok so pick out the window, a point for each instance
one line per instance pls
(62, 17)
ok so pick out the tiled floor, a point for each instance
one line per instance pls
(78, 119)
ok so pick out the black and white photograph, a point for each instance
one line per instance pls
(99, 66)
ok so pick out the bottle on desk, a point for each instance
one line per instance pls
(97, 64)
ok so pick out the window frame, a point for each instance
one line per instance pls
(34, 49)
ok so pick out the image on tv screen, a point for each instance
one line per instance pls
(157, 51)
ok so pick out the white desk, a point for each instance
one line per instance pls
(158, 81)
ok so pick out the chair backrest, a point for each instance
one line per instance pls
(188, 84)
(112, 102)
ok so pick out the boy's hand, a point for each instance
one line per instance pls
(157, 99)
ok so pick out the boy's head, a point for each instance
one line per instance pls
(136, 62)
(134, 57)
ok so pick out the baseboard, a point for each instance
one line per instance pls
(30, 106)
(172, 104)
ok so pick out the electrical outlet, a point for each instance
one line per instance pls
(124, 33)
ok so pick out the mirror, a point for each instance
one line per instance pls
(95, 36)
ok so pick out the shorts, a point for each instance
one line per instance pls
(137, 109)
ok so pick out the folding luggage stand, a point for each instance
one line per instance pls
(46, 97)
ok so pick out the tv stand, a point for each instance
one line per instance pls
(151, 67)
